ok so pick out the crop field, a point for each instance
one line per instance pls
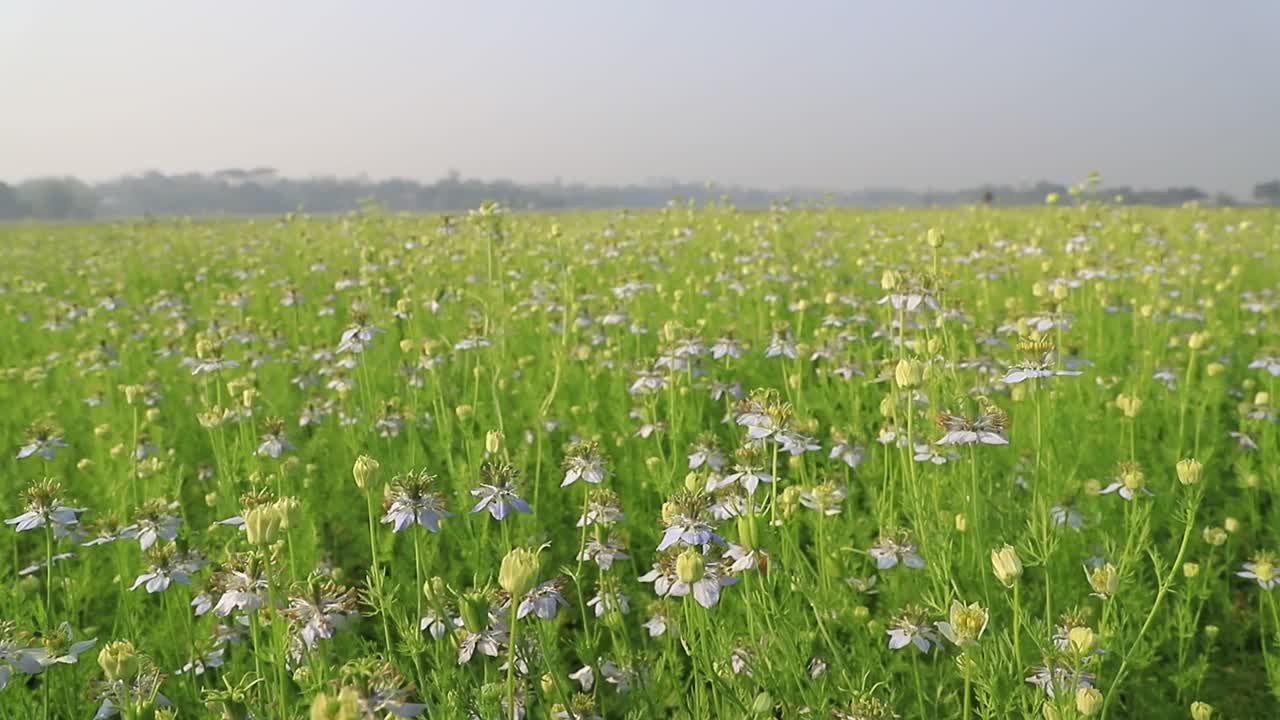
(696, 463)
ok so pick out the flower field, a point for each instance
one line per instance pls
(696, 463)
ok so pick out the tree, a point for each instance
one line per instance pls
(1267, 192)
(11, 207)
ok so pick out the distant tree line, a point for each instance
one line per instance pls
(263, 191)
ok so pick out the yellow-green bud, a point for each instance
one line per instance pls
(262, 524)
(908, 374)
(1088, 701)
(119, 661)
(1129, 404)
(1230, 524)
(519, 572)
(1083, 640)
(1188, 471)
(1215, 536)
(464, 412)
(363, 470)
(1197, 340)
(1211, 631)
(433, 589)
(762, 705)
(690, 566)
(1104, 580)
(493, 442)
(934, 238)
(1201, 711)
(748, 531)
(1006, 565)
(474, 608)
(1190, 569)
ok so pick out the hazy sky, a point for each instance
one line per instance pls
(839, 94)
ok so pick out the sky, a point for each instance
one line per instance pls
(838, 95)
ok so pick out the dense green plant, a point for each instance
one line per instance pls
(699, 463)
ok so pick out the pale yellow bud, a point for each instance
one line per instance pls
(493, 442)
(908, 374)
(1231, 524)
(464, 412)
(1129, 404)
(1104, 580)
(1083, 640)
(1190, 569)
(1006, 564)
(262, 524)
(363, 470)
(934, 238)
(690, 567)
(519, 572)
(1188, 470)
(1088, 701)
(1201, 711)
(118, 660)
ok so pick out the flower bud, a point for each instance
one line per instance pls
(1211, 631)
(1088, 701)
(1231, 524)
(690, 567)
(1214, 369)
(519, 572)
(464, 412)
(1104, 580)
(262, 524)
(493, 442)
(1197, 340)
(132, 393)
(1129, 404)
(1188, 471)
(889, 280)
(762, 705)
(1201, 711)
(363, 470)
(1190, 569)
(474, 608)
(908, 373)
(118, 660)
(934, 238)
(1215, 536)
(1083, 640)
(434, 588)
(748, 531)
(1006, 565)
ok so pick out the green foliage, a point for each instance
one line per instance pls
(170, 374)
